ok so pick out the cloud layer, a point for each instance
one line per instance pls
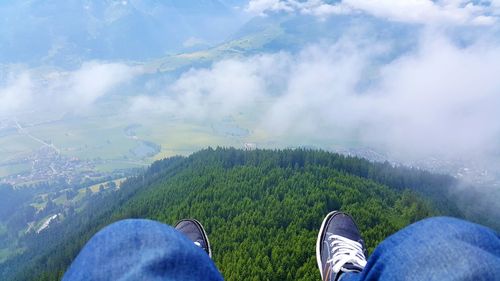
(415, 11)
(40, 89)
(439, 100)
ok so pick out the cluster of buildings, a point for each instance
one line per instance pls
(47, 164)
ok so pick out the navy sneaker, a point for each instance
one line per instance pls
(196, 233)
(339, 247)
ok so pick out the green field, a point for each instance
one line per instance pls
(110, 140)
(95, 188)
(14, 146)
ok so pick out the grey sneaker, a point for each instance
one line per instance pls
(196, 233)
(339, 247)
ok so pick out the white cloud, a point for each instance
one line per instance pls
(228, 86)
(495, 6)
(263, 6)
(27, 89)
(16, 93)
(94, 80)
(408, 11)
(425, 11)
(441, 100)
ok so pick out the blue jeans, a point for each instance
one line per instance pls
(433, 249)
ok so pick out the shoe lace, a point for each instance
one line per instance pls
(345, 251)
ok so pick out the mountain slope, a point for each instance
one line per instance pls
(290, 33)
(67, 32)
(262, 209)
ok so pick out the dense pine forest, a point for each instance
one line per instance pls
(262, 209)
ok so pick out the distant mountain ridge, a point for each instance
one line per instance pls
(67, 33)
(62, 32)
(290, 33)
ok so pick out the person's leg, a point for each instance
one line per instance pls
(435, 249)
(141, 250)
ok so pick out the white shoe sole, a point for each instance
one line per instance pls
(319, 242)
(200, 226)
(206, 237)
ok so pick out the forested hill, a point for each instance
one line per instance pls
(262, 209)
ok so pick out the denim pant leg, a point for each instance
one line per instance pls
(435, 249)
(141, 250)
